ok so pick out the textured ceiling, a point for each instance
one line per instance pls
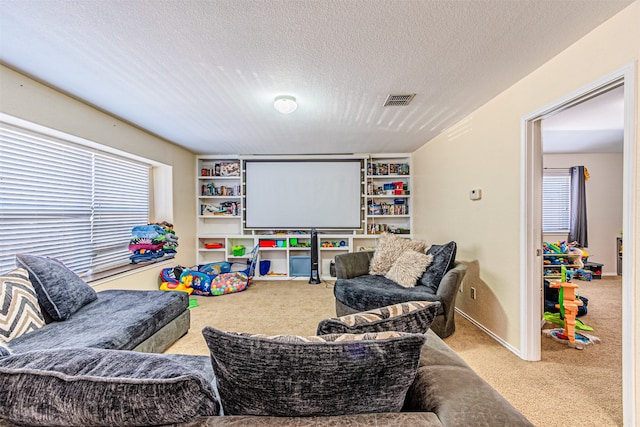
(203, 74)
(594, 126)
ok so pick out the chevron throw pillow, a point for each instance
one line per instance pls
(19, 309)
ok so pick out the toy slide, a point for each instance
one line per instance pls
(568, 304)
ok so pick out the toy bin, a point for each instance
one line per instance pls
(299, 265)
(238, 250)
(595, 268)
(265, 267)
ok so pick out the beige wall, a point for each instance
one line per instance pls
(27, 99)
(604, 203)
(484, 151)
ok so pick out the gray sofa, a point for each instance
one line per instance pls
(356, 290)
(445, 392)
(146, 321)
(81, 371)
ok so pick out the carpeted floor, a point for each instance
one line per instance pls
(567, 387)
(586, 382)
(266, 307)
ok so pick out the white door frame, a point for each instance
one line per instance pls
(531, 225)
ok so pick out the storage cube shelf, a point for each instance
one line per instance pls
(220, 190)
(553, 263)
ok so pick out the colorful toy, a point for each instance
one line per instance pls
(559, 247)
(199, 282)
(168, 286)
(215, 268)
(228, 283)
(333, 244)
(172, 274)
(584, 274)
(580, 342)
(568, 304)
(216, 278)
(557, 319)
(574, 250)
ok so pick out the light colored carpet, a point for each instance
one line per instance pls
(567, 387)
(266, 307)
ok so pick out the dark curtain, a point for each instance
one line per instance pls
(578, 222)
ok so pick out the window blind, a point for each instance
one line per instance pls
(67, 201)
(556, 200)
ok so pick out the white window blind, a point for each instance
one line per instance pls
(556, 200)
(67, 201)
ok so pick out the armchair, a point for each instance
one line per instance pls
(356, 290)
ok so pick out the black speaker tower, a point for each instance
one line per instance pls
(314, 278)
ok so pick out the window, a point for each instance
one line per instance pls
(556, 201)
(69, 201)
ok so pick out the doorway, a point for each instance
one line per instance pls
(531, 223)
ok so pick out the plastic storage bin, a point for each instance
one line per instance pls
(300, 265)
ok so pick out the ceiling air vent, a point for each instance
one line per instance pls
(398, 100)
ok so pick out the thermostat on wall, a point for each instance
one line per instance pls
(475, 194)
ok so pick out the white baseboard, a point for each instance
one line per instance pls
(491, 334)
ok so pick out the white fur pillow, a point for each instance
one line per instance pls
(389, 248)
(408, 268)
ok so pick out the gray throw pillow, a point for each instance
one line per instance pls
(91, 387)
(317, 375)
(411, 317)
(444, 257)
(60, 291)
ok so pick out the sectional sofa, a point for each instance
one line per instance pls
(88, 368)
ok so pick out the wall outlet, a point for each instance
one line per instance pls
(473, 293)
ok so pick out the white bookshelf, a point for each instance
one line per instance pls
(220, 207)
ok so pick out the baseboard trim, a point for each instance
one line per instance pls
(491, 334)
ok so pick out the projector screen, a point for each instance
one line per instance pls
(299, 194)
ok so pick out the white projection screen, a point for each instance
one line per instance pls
(300, 194)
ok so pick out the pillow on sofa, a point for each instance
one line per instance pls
(90, 387)
(19, 309)
(60, 291)
(389, 248)
(444, 257)
(408, 268)
(411, 317)
(317, 375)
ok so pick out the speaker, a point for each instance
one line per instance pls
(314, 277)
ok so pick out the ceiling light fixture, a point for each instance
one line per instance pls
(285, 104)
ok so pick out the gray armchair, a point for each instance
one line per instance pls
(356, 290)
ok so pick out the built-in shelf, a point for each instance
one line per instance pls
(228, 229)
